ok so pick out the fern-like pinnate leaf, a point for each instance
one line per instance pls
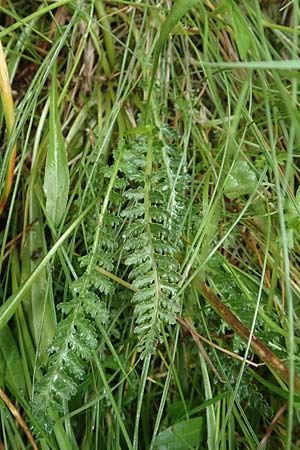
(141, 199)
(150, 239)
(76, 336)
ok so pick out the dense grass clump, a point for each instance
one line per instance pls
(150, 218)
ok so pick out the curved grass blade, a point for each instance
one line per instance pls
(8, 108)
(180, 8)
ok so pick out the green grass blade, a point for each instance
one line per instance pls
(180, 8)
(9, 307)
(114, 404)
(142, 386)
(22, 22)
(215, 87)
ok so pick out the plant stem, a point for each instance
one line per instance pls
(257, 345)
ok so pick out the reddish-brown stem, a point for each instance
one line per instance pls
(259, 348)
(19, 419)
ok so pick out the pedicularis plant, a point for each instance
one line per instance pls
(150, 225)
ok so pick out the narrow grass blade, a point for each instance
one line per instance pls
(8, 107)
(15, 413)
(56, 183)
(241, 31)
(180, 8)
(23, 21)
(9, 307)
(290, 65)
(114, 405)
(210, 410)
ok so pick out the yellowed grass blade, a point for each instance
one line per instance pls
(8, 108)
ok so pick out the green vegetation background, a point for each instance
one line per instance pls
(150, 243)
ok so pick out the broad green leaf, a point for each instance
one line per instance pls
(38, 303)
(292, 218)
(241, 180)
(10, 361)
(181, 436)
(56, 182)
(292, 215)
(180, 8)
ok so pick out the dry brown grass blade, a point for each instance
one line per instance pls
(280, 412)
(18, 418)
(257, 345)
(194, 334)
